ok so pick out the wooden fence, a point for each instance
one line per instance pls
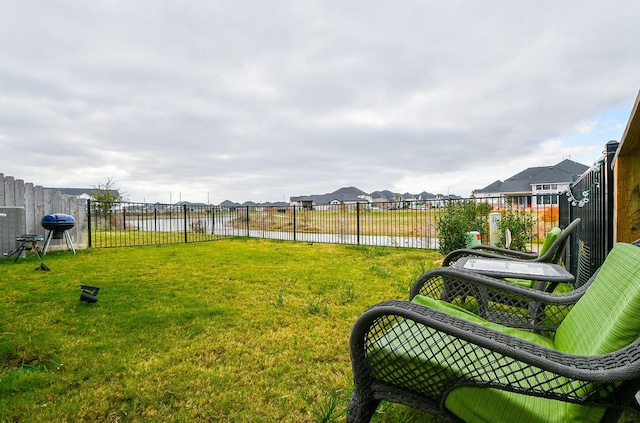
(38, 202)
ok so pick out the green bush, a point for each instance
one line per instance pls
(459, 217)
(520, 224)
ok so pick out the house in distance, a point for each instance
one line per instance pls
(536, 185)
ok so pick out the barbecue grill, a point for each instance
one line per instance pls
(58, 224)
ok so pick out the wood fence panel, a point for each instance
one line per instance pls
(39, 209)
(2, 203)
(18, 192)
(9, 197)
(30, 207)
(38, 202)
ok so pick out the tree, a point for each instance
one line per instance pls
(106, 194)
(459, 217)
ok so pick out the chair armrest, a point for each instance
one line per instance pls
(488, 252)
(429, 352)
(495, 299)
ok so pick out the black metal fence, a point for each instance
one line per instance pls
(590, 198)
(400, 224)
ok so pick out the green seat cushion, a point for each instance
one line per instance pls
(454, 310)
(520, 282)
(552, 236)
(474, 405)
(426, 361)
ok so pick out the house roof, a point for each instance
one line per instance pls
(188, 203)
(346, 194)
(229, 203)
(384, 195)
(492, 187)
(567, 171)
(81, 191)
(352, 194)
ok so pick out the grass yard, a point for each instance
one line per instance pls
(240, 330)
(232, 330)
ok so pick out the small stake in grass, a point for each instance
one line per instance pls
(89, 293)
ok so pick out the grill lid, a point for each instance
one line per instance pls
(58, 222)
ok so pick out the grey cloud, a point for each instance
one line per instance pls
(260, 98)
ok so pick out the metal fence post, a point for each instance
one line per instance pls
(89, 222)
(184, 211)
(294, 222)
(611, 149)
(213, 220)
(248, 232)
(358, 222)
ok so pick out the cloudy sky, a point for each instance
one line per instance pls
(263, 100)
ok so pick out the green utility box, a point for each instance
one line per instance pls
(473, 239)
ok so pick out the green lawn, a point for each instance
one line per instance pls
(231, 330)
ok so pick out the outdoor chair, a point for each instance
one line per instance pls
(453, 364)
(497, 300)
(503, 302)
(551, 251)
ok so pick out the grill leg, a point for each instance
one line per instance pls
(46, 243)
(67, 237)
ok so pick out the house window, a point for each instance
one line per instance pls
(547, 199)
(521, 201)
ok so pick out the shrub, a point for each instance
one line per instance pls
(459, 217)
(520, 224)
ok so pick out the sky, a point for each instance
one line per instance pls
(205, 101)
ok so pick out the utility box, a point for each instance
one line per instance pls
(494, 231)
(473, 239)
(13, 222)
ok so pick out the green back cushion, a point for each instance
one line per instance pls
(605, 319)
(551, 237)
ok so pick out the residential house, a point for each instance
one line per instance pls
(385, 199)
(347, 196)
(229, 205)
(85, 193)
(535, 185)
(190, 206)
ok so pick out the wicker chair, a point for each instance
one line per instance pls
(503, 302)
(453, 364)
(552, 249)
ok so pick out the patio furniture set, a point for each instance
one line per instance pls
(489, 338)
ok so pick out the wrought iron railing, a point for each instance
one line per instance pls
(401, 224)
(590, 198)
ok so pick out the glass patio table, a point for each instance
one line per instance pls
(546, 276)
